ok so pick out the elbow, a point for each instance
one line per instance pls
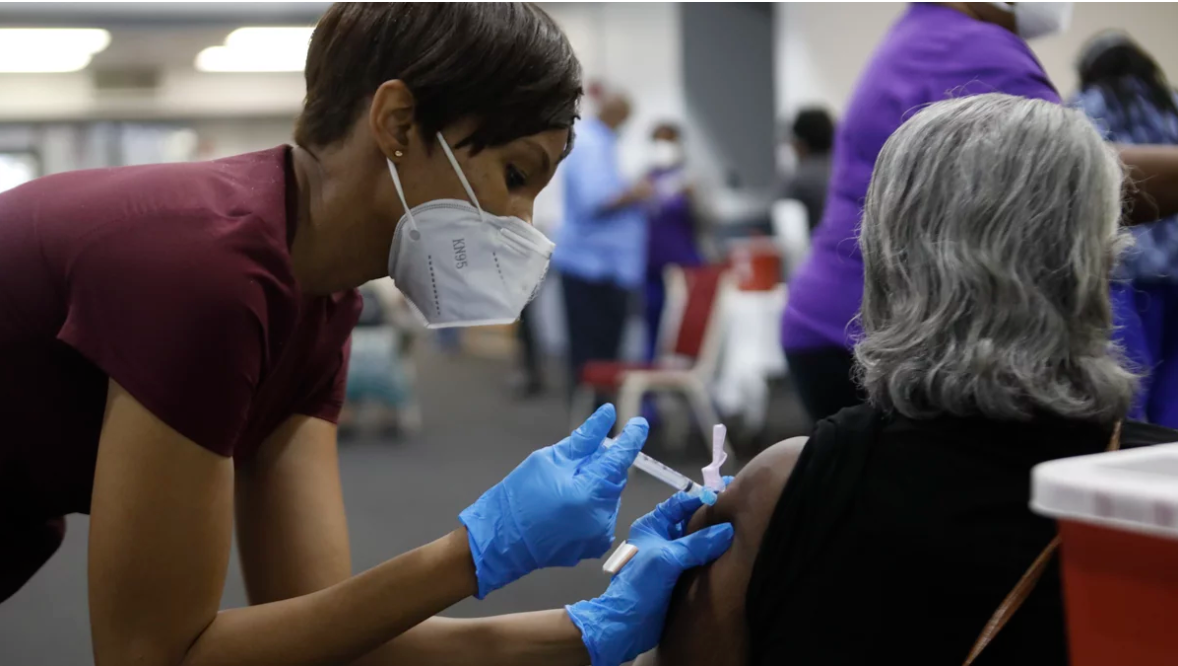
(142, 651)
(150, 648)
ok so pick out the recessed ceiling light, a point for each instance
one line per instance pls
(258, 49)
(29, 50)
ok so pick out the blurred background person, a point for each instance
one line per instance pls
(811, 138)
(671, 223)
(601, 247)
(1127, 95)
(933, 52)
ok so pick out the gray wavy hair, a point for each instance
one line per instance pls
(988, 237)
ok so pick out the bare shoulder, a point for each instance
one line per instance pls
(706, 622)
(766, 474)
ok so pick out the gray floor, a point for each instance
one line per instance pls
(399, 495)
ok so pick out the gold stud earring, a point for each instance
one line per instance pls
(397, 153)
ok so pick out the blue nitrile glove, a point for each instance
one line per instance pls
(628, 619)
(558, 507)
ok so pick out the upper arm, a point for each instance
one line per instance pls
(160, 528)
(705, 623)
(326, 395)
(177, 321)
(1153, 170)
(291, 529)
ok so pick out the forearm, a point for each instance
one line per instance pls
(340, 623)
(545, 638)
(625, 199)
(1153, 172)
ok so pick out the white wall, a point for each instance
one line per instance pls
(636, 47)
(822, 47)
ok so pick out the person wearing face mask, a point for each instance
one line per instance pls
(601, 248)
(935, 51)
(671, 229)
(175, 342)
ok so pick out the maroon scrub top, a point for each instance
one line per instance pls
(174, 280)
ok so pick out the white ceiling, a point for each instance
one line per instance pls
(109, 14)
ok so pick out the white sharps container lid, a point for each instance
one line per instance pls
(1135, 490)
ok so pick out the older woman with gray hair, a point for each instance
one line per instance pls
(989, 234)
(988, 239)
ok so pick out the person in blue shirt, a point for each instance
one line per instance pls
(1126, 94)
(601, 247)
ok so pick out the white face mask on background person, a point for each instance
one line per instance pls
(460, 266)
(1038, 19)
(665, 154)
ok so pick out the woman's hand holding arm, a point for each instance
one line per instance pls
(628, 619)
(706, 622)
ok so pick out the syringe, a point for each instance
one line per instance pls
(669, 476)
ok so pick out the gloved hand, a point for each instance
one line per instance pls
(557, 508)
(628, 619)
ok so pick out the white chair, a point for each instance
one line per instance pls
(752, 354)
(690, 343)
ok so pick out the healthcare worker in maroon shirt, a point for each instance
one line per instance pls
(173, 344)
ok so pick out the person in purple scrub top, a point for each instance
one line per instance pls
(670, 224)
(934, 51)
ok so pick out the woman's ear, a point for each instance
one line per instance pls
(390, 118)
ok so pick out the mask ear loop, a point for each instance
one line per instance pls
(458, 170)
(404, 204)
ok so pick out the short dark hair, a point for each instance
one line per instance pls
(1124, 73)
(507, 64)
(815, 128)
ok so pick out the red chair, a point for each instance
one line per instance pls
(690, 342)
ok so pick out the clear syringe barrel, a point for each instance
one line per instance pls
(665, 474)
(661, 472)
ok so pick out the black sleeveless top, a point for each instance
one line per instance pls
(895, 540)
